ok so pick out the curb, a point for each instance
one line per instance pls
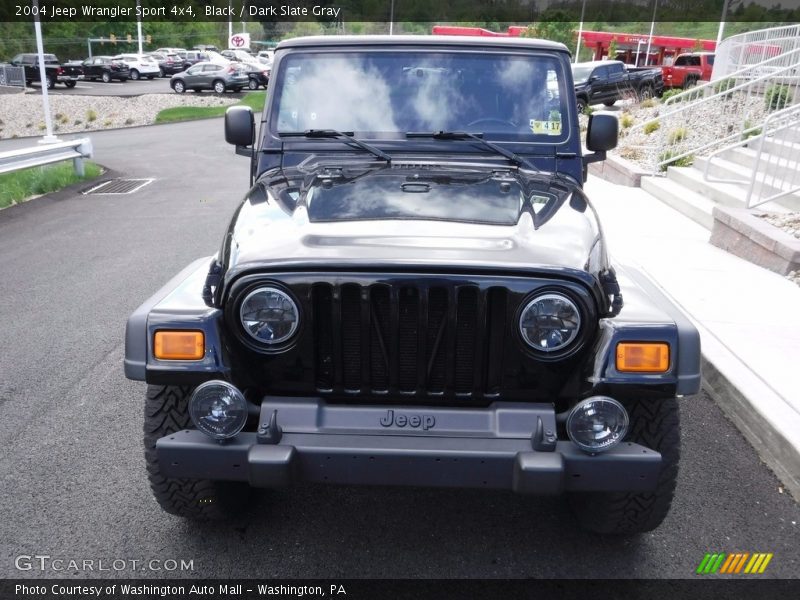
(616, 169)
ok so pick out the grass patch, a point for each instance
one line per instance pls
(18, 186)
(651, 126)
(254, 100)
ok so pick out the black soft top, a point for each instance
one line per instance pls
(422, 41)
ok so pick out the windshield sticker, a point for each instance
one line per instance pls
(545, 127)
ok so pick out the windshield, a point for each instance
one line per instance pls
(388, 94)
(581, 73)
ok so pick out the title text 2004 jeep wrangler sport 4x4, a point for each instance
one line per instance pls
(415, 291)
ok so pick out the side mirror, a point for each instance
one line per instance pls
(602, 133)
(240, 129)
(601, 136)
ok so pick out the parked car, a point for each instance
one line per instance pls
(105, 68)
(237, 55)
(258, 74)
(688, 69)
(205, 48)
(415, 292)
(606, 81)
(140, 65)
(55, 72)
(192, 57)
(169, 50)
(168, 64)
(210, 76)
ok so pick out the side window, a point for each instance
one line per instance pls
(681, 61)
(601, 73)
(17, 59)
(695, 61)
(710, 59)
(615, 69)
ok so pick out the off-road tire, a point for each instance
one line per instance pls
(581, 104)
(653, 423)
(167, 411)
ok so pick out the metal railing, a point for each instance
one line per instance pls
(45, 154)
(775, 168)
(746, 49)
(719, 113)
(12, 76)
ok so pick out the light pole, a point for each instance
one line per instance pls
(580, 33)
(391, 19)
(650, 39)
(139, 25)
(722, 21)
(37, 26)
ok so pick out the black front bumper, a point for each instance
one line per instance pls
(469, 448)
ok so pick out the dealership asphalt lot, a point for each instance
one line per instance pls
(159, 85)
(74, 487)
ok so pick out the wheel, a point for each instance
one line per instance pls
(178, 86)
(581, 105)
(610, 103)
(134, 74)
(653, 423)
(70, 84)
(237, 90)
(163, 74)
(252, 84)
(106, 78)
(49, 82)
(689, 82)
(167, 411)
(646, 92)
(219, 86)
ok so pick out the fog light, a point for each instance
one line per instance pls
(218, 409)
(597, 424)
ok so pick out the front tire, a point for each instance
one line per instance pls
(582, 104)
(179, 87)
(653, 423)
(134, 74)
(70, 84)
(50, 82)
(167, 411)
(646, 92)
(252, 84)
(219, 87)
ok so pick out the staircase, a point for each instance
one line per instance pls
(752, 158)
(737, 177)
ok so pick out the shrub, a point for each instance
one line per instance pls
(669, 94)
(108, 123)
(77, 122)
(129, 121)
(588, 110)
(777, 97)
(91, 115)
(724, 85)
(664, 157)
(651, 126)
(649, 103)
(677, 135)
(626, 120)
(753, 131)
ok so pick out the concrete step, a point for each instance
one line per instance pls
(791, 134)
(727, 194)
(698, 208)
(780, 147)
(775, 176)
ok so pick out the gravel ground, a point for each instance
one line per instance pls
(21, 114)
(790, 223)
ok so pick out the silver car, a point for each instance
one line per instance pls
(210, 76)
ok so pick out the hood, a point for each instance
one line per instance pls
(412, 216)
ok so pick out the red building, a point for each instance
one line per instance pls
(662, 48)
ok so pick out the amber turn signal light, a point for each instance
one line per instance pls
(643, 357)
(179, 345)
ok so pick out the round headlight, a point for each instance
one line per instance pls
(597, 424)
(549, 322)
(269, 315)
(218, 409)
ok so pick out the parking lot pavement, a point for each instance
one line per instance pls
(159, 85)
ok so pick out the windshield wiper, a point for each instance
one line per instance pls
(465, 135)
(332, 133)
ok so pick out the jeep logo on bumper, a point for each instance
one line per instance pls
(415, 421)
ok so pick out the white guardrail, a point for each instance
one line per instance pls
(45, 154)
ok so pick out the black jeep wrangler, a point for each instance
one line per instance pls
(416, 291)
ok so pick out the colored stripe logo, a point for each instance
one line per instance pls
(734, 564)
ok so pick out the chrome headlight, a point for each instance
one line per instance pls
(597, 424)
(549, 322)
(218, 409)
(269, 315)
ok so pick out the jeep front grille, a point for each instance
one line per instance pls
(419, 341)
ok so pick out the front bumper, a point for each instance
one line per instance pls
(497, 447)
